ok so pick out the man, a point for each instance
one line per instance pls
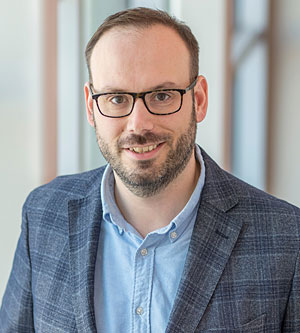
(161, 239)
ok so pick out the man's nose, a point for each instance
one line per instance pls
(140, 119)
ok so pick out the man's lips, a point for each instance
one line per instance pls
(143, 149)
(147, 139)
(143, 146)
(146, 151)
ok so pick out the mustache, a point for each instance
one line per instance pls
(139, 139)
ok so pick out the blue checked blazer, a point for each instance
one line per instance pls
(242, 271)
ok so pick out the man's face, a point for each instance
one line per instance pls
(146, 151)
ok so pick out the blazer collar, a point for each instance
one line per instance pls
(214, 236)
(85, 216)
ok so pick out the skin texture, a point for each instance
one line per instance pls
(141, 60)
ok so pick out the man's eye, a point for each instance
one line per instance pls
(118, 99)
(161, 97)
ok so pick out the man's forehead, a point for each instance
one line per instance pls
(133, 34)
(130, 31)
(142, 57)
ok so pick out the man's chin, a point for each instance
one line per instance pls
(144, 165)
(141, 184)
(141, 174)
(137, 165)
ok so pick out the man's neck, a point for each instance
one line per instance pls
(149, 214)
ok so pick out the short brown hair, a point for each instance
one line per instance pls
(143, 18)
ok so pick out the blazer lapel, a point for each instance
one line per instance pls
(214, 236)
(85, 217)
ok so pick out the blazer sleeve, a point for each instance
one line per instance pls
(292, 318)
(16, 313)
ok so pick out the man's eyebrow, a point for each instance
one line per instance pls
(164, 85)
(106, 89)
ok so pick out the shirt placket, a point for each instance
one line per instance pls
(143, 280)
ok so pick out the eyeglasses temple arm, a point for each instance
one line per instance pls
(192, 85)
(90, 88)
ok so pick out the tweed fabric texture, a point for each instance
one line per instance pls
(242, 272)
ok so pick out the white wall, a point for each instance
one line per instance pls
(285, 163)
(69, 91)
(206, 18)
(20, 118)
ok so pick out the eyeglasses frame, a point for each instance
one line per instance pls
(142, 96)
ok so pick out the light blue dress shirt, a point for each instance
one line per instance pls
(136, 279)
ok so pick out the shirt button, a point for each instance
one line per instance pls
(173, 234)
(144, 252)
(139, 310)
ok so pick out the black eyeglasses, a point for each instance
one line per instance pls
(159, 102)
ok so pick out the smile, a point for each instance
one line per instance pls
(141, 150)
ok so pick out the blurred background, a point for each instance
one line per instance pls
(249, 53)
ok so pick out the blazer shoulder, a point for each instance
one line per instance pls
(266, 214)
(65, 188)
(250, 195)
(230, 192)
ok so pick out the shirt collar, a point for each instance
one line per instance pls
(175, 228)
(182, 220)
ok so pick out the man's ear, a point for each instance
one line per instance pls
(89, 105)
(200, 95)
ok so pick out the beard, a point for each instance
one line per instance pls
(147, 179)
